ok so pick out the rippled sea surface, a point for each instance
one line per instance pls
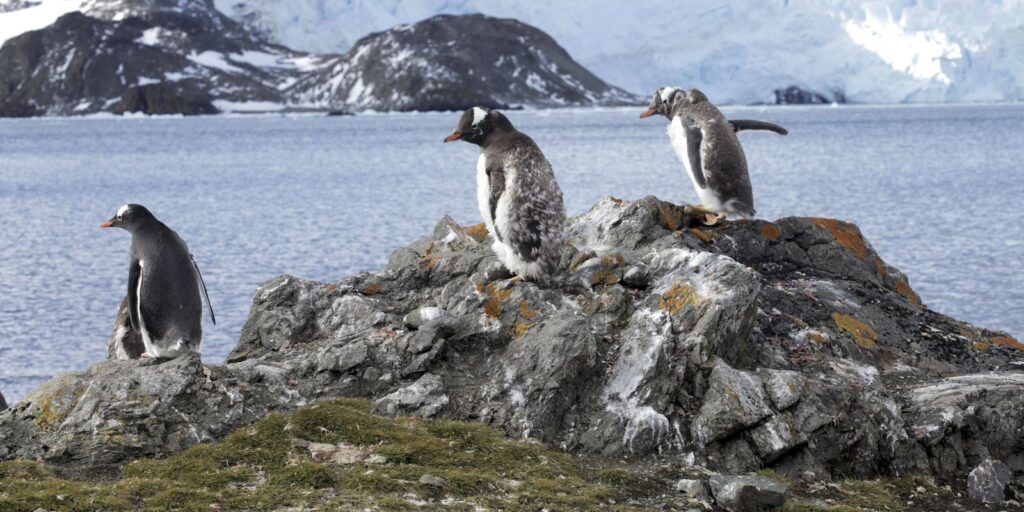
(937, 190)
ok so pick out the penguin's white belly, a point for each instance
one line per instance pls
(483, 193)
(518, 266)
(677, 134)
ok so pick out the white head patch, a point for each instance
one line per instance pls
(121, 211)
(478, 115)
(667, 91)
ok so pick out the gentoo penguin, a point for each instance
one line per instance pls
(164, 285)
(517, 194)
(705, 141)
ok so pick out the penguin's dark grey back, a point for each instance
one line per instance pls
(722, 156)
(171, 300)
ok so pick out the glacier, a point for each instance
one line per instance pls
(878, 51)
(740, 52)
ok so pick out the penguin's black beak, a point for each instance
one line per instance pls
(108, 224)
(453, 137)
(648, 113)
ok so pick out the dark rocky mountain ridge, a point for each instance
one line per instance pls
(170, 56)
(786, 345)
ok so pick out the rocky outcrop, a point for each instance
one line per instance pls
(795, 95)
(788, 345)
(3, 402)
(456, 62)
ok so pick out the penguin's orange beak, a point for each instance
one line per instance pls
(107, 224)
(453, 137)
(648, 113)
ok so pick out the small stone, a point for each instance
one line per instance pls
(509, 484)
(343, 453)
(377, 459)
(987, 482)
(433, 481)
(371, 373)
(695, 489)
(421, 316)
(747, 493)
(421, 341)
(636, 277)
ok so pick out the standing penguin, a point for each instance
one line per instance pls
(705, 141)
(164, 285)
(517, 194)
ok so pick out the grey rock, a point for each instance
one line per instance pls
(91, 421)
(421, 341)
(695, 489)
(783, 386)
(776, 436)
(987, 482)
(424, 398)
(735, 400)
(348, 357)
(433, 481)
(747, 493)
(864, 381)
(636, 277)
(3, 403)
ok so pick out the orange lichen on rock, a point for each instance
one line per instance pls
(705, 236)
(1006, 341)
(524, 309)
(671, 216)
(604, 277)
(770, 231)
(678, 297)
(880, 266)
(477, 231)
(982, 346)
(903, 288)
(846, 234)
(373, 289)
(862, 333)
(495, 299)
(521, 328)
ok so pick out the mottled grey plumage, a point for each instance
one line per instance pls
(517, 194)
(705, 141)
(165, 288)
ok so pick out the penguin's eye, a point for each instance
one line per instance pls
(119, 216)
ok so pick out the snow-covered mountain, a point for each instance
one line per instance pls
(154, 56)
(455, 62)
(186, 56)
(740, 51)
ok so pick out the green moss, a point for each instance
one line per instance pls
(895, 495)
(265, 467)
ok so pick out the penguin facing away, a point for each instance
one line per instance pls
(517, 194)
(706, 143)
(165, 288)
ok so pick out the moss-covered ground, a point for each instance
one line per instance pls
(268, 466)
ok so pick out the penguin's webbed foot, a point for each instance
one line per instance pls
(146, 360)
(515, 279)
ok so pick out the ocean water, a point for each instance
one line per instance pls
(935, 189)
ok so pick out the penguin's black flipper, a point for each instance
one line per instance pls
(750, 124)
(496, 179)
(694, 139)
(202, 285)
(134, 275)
